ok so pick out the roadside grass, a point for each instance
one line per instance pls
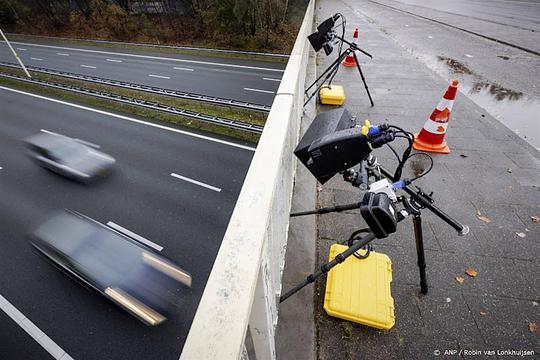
(229, 112)
(217, 54)
(152, 115)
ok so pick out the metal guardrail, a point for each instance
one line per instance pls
(242, 292)
(146, 88)
(240, 125)
(191, 48)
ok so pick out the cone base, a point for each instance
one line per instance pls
(420, 145)
(349, 62)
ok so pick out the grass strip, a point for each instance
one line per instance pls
(229, 112)
(127, 109)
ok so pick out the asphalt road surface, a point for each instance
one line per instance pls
(250, 81)
(188, 219)
(500, 78)
(520, 13)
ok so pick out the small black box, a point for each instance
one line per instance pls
(379, 213)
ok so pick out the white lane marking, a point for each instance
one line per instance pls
(21, 49)
(114, 60)
(39, 336)
(181, 68)
(469, 56)
(88, 66)
(127, 118)
(137, 237)
(151, 57)
(38, 59)
(76, 139)
(270, 79)
(196, 182)
(159, 76)
(257, 90)
(62, 54)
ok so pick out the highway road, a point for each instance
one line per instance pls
(238, 79)
(187, 218)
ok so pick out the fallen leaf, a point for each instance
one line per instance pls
(463, 155)
(535, 219)
(483, 313)
(484, 218)
(459, 279)
(521, 234)
(471, 272)
(478, 212)
(509, 170)
(532, 326)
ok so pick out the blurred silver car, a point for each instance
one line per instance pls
(68, 157)
(125, 271)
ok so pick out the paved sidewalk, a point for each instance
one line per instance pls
(490, 172)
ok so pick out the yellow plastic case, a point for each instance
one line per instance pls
(359, 290)
(333, 95)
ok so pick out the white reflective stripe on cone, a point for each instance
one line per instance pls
(435, 127)
(445, 103)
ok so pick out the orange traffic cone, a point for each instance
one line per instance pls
(349, 60)
(431, 137)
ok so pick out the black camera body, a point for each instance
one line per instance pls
(324, 36)
(337, 152)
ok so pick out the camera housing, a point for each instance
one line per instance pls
(323, 37)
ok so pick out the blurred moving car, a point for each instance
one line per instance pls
(68, 157)
(144, 283)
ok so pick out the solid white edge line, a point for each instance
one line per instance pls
(270, 79)
(196, 182)
(181, 68)
(159, 76)
(88, 66)
(151, 57)
(135, 236)
(162, 127)
(31, 329)
(114, 60)
(38, 59)
(258, 90)
(76, 139)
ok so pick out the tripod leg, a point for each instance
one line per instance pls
(328, 72)
(417, 221)
(363, 79)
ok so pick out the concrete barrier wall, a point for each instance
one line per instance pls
(245, 283)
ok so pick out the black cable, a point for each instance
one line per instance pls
(343, 25)
(425, 171)
(410, 138)
(351, 240)
(394, 151)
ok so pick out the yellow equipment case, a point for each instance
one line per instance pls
(359, 290)
(332, 95)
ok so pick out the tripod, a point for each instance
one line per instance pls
(333, 68)
(413, 205)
